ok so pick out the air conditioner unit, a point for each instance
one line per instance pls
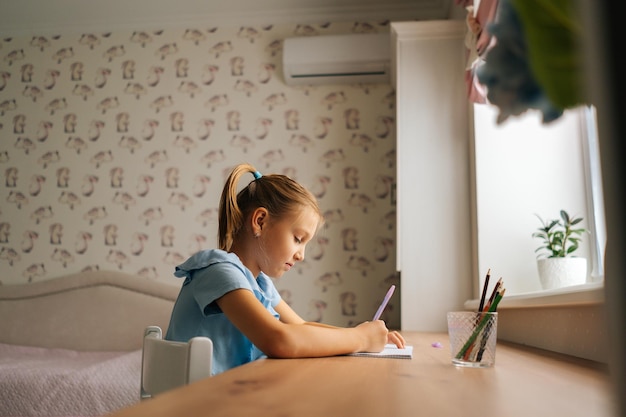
(337, 59)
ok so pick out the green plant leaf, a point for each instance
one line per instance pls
(559, 238)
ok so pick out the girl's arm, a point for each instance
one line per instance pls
(288, 315)
(290, 338)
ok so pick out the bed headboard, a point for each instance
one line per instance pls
(87, 311)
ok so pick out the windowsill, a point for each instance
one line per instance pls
(566, 320)
(585, 294)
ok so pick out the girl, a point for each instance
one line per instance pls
(228, 295)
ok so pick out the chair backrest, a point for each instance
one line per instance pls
(166, 364)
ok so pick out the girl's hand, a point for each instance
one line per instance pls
(375, 335)
(396, 338)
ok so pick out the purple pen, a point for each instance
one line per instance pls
(380, 310)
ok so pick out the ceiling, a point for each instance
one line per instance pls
(38, 17)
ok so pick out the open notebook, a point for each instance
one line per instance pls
(390, 351)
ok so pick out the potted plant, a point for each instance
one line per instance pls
(556, 262)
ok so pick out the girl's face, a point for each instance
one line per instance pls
(283, 241)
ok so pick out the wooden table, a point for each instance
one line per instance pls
(524, 382)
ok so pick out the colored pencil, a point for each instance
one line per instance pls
(493, 294)
(491, 309)
(485, 285)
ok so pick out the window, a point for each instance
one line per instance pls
(525, 168)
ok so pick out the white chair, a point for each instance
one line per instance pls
(166, 364)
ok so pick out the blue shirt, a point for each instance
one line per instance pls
(210, 274)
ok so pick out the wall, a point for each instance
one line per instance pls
(434, 208)
(114, 148)
(577, 329)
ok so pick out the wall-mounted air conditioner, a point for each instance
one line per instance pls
(337, 59)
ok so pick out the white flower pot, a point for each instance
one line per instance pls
(562, 272)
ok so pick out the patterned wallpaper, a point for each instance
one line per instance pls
(114, 148)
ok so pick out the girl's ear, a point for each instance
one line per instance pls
(259, 219)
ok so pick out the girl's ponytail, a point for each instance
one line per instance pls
(230, 215)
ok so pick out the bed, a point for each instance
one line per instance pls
(71, 346)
